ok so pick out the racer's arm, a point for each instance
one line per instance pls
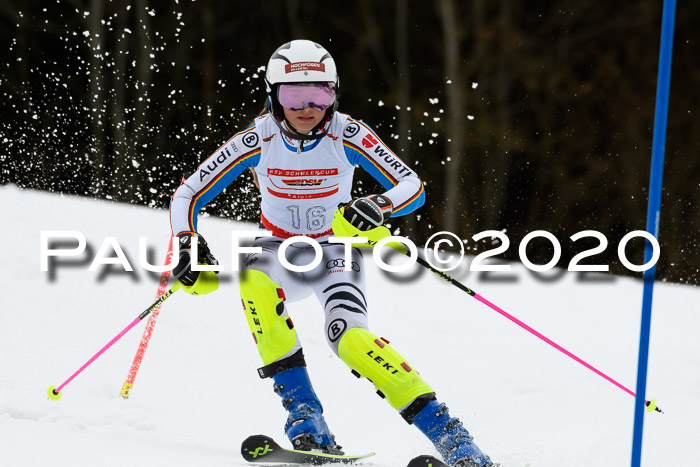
(364, 148)
(211, 177)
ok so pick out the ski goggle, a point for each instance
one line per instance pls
(297, 97)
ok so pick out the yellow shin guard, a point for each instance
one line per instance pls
(263, 300)
(375, 360)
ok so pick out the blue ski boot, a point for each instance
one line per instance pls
(305, 427)
(451, 439)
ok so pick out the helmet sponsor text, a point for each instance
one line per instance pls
(304, 66)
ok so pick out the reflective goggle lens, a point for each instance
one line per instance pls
(297, 97)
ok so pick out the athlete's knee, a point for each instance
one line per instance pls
(340, 322)
(346, 308)
(263, 302)
(372, 357)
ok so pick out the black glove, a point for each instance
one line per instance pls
(183, 271)
(368, 212)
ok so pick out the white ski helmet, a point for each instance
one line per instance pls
(299, 61)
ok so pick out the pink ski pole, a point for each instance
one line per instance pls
(54, 392)
(651, 405)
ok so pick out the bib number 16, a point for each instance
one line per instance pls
(315, 217)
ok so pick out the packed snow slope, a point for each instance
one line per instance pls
(197, 395)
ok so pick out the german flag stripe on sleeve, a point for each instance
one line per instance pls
(409, 201)
(389, 178)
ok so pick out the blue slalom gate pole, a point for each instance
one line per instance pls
(653, 211)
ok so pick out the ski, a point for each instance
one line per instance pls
(426, 461)
(263, 449)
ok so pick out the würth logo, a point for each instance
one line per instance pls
(369, 141)
(304, 66)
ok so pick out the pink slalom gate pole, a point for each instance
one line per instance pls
(651, 405)
(150, 325)
(54, 392)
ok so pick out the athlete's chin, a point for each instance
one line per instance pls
(304, 125)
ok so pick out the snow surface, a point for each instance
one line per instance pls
(197, 395)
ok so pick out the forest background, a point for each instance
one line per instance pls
(518, 116)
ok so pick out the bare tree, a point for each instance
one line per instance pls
(120, 147)
(143, 80)
(403, 91)
(208, 66)
(496, 165)
(454, 132)
(373, 40)
(96, 100)
(295, 26)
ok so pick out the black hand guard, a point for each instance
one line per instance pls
(183, 271)
(368, 212)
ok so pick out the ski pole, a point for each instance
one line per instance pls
(651, 405)
(54, 392)
(150, 325)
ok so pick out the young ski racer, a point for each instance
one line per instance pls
(304, 153)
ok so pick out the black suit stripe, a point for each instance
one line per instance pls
(348, 284)
(347, 296)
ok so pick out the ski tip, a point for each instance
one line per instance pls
(263, 449)
(53, 394)
(651, 405)
(257, 446)
(426, 461)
